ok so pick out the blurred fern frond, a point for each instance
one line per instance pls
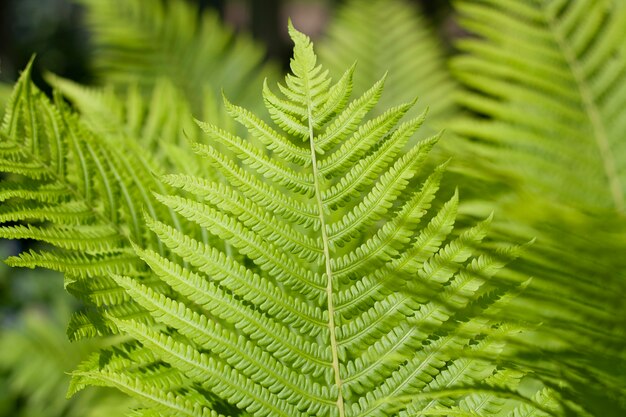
(80, 194)
(143, 41)
(545, 88)
(391, 37)
(547, 78)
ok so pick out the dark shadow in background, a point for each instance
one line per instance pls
(54, 30)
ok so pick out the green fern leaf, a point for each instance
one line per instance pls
(546, 87)
(77, 193)
(550, 73)
(303, 316)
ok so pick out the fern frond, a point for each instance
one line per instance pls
(86, 201)
(298, 313)
(545, 80)
(540, 71)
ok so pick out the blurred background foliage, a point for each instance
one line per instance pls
(57, 31)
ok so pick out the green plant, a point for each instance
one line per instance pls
(298, 306)
(245, 211)
(545, 91)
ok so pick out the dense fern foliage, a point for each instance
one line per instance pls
(77, 192)
(285, 285)
(545, 85)
(310, 259)
(549, 74)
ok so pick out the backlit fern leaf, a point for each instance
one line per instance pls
(549, 76)
(304, 316)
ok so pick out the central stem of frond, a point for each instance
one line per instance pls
(329, 272)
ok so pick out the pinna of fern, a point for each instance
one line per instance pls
(302, 318)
